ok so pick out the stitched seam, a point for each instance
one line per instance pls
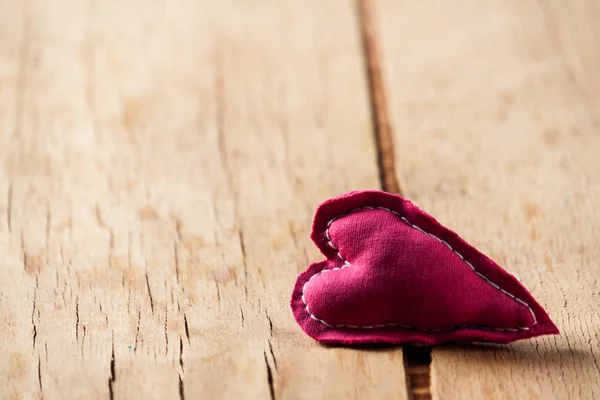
(452, 328)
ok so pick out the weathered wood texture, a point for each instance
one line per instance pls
(160, 163)
(496, 112)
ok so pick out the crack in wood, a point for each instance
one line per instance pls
(181, 365)
(149, 292)
(379, 111)
(181, 388)
(33, 312)
(82, 341)
(166, 330)
(417, 367)
(77, 318)
(269, 377)
(417, 361)
(39, 370)
(137, 330)
(270, 323)
(187, 329)
(112, 377)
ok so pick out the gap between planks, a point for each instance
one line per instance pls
(378, 103)
(417, 360)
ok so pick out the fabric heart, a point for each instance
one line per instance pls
(393, 274)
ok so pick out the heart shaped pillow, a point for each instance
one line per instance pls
(393, 274)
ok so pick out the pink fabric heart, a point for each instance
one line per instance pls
(393, 274)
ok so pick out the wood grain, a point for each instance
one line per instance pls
(160, 163)
(495, 112)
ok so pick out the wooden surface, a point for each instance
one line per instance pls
(159, 175)
(160, 163)
(496, 115)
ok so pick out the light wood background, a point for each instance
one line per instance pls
(160, 163)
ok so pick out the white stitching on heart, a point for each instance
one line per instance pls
(347, 264)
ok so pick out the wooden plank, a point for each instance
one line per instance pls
(494, 107)
(160, 164)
